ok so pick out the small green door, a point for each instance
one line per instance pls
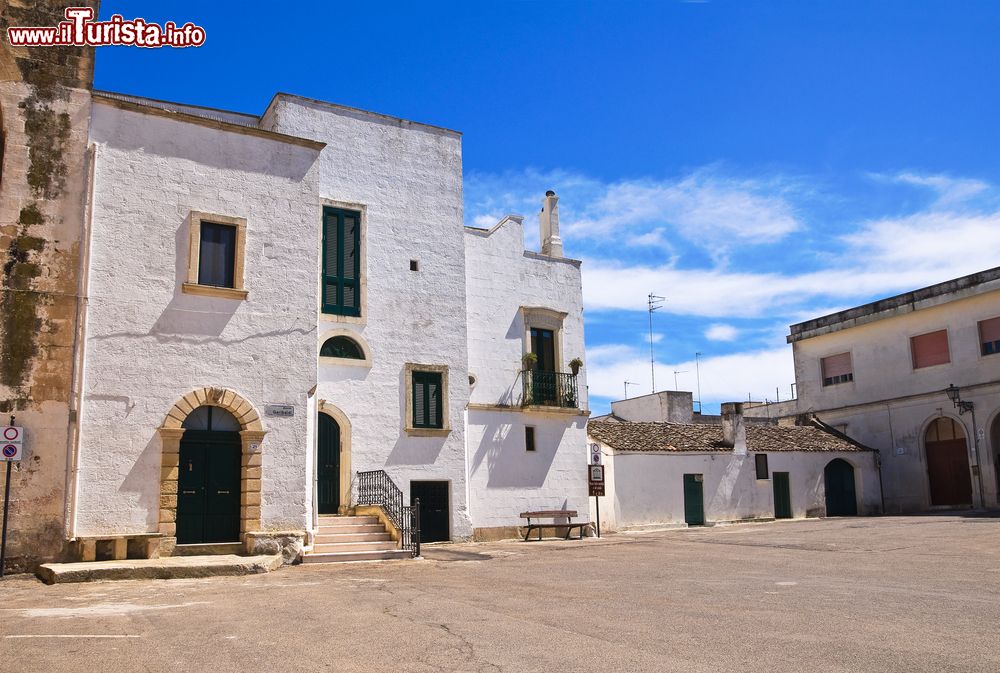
(841, 497)
(328, 466)
(208, 487)
(694, 500)
(782, 495)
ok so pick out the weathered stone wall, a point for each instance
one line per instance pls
(45, 107)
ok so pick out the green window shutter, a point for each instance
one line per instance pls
(427, 400)
(341, 261)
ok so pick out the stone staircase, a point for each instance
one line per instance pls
(353, 538)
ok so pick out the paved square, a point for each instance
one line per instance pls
(901, 594)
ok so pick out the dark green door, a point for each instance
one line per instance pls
(841, 498)
(543, 378)
(434, 509)
(328, 466)
(208, 487)
(782, 495)
(694, 500)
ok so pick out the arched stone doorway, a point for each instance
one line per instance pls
(208, 483)
(333, 460)
(841, 494)
(251, 435)
(948, 463)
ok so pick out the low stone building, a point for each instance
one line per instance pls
(665, 465)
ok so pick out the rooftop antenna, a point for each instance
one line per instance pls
(675, 377)
(627, 384)
(654, 302)
(697, 373)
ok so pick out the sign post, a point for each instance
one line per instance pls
(11, 443)
(595, 481)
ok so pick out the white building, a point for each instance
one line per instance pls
(880, 373)
(276, 305)
(665, 465)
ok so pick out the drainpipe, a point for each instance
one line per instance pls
(79, 347)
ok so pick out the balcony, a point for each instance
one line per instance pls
(549, 389)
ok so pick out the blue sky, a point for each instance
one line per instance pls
(757, 163)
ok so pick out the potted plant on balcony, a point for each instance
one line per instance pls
(529, 360)
(574, 365)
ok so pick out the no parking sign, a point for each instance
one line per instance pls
(11, 443)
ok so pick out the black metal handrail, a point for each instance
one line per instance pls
(550, 389)
(375, 487)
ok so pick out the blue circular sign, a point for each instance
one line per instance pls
(10, 451)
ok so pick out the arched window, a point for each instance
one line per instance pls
(341, 347)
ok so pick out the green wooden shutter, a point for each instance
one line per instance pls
(341, 261)
(427, 400)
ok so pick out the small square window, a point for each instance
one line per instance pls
(426, 387)
(760, 460)
(930, 349)
(414, 265)
(215, 256)
(529, 438)
(837, 369)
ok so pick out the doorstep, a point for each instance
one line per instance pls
(171, 567)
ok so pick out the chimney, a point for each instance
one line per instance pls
(734, 433)
(549, 221)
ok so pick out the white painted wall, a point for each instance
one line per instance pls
(504, 479)
(148, 344)
(648, 488)
(408, 180)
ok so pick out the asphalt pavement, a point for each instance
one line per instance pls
(904, 594)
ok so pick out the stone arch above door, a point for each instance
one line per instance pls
(251, 436)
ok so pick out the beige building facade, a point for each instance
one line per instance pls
(916, 376)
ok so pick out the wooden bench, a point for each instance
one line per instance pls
(553, 514)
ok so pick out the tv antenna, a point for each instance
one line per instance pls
(654, 302)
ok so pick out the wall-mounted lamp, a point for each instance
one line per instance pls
(955, 395)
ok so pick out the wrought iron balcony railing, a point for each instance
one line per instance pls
(550, 389)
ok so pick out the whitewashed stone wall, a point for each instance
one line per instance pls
(505, 479)
(648, 488)
(407, 179)
(148, 343)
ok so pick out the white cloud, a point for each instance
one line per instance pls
(724, 378)
(950, 190)
(721, 332)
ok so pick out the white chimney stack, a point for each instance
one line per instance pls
(734, 433)
(549, 221)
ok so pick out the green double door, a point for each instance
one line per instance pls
(208, 487)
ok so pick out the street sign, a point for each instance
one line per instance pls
(11, 443)
(595, 454)
(597, 474)
(596, 489)
(280, 410)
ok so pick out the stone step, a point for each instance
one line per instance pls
(339, 557)
(352, 546)
(171, 567)
(362, 528)
(352, 537)
(347, 520)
